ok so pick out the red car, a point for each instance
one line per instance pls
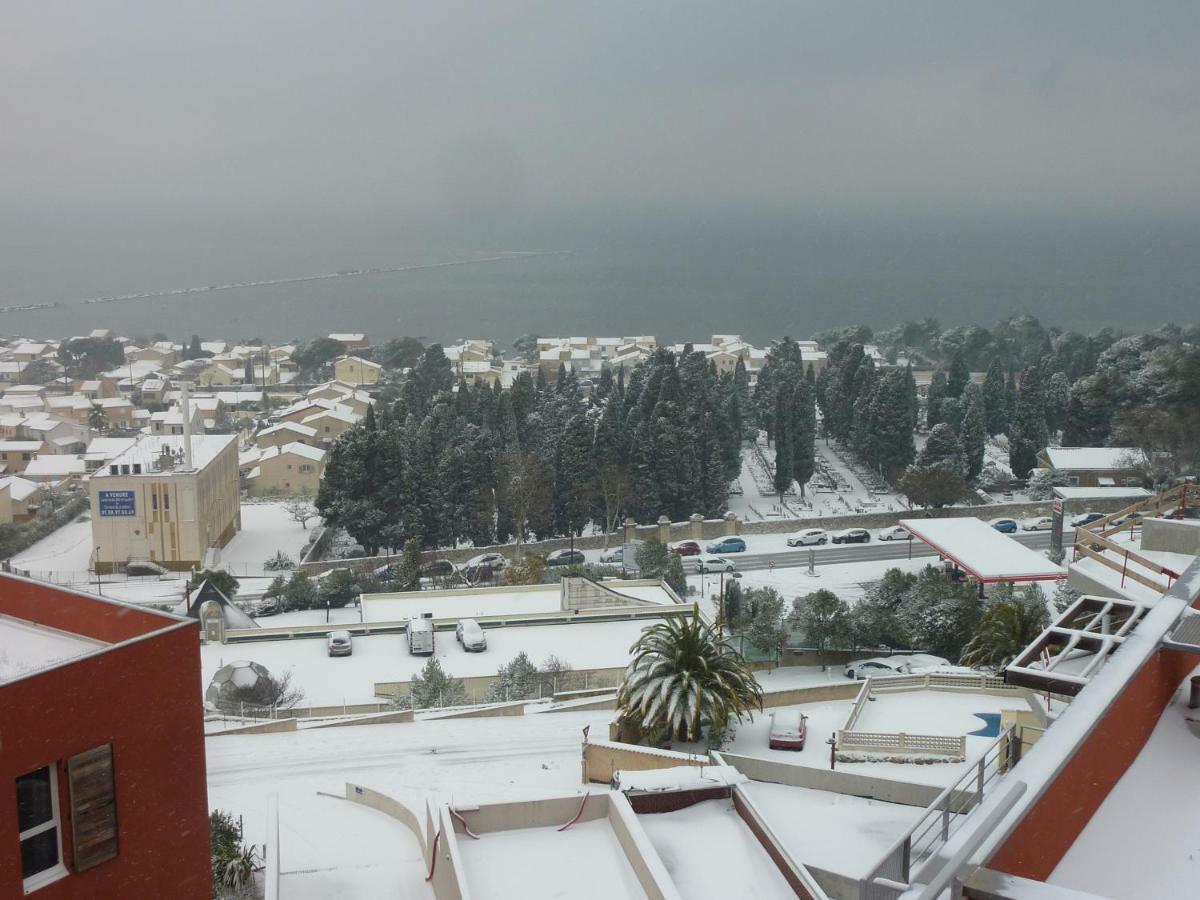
(686, 548)
(789, 728)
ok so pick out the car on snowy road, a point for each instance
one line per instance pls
(339, 643)
(685, 548)
(1086, 518)
(1037, 523)
(728, 545)
(494, 561)
(895, 533)
(565, 558)
(808, 536)
(1005, 526)
(714, 564)
(852, 536)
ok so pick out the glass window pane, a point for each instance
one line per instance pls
(34, 799)
(39, 852)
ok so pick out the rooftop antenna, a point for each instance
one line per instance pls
(186, 409)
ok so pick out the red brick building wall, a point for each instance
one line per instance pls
(1055, 821)
(143, 699)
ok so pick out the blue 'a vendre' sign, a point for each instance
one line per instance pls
(117, 503)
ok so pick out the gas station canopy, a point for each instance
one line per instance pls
(983, 552)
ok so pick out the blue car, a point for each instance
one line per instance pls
(728, 545)
(1004, 526)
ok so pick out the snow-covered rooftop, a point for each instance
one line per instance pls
(984, 552)
(26, 647)
(1101, 493)
(148, 450)
(1094, 458)
(477, 602)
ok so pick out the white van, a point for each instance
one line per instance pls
(470, 635)
(420, 636)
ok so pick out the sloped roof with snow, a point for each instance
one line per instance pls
(1094, 458)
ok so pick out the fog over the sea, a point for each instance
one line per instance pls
(147, 146)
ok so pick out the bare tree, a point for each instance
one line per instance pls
(612, 484)
(300, 509)
(524, 491)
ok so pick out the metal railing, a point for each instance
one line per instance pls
(901, 866)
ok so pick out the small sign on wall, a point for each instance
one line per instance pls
(117, 503)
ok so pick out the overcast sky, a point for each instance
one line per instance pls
(144, 112)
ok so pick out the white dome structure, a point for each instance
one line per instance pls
(240, 675)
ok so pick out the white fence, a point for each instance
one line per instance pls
(888, 742)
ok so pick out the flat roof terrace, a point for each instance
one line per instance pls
(27, 647)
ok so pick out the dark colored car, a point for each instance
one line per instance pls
(564, 558)
(728, 545)
(1184, 512)
(1086, 519)
(686, 548)
(852, 536)
(438, 568)
(1005, 526)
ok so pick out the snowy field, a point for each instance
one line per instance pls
(331, 848)
(266, 529)
(585, 861)
(838, 832)
(689, 840)
(1149, 821)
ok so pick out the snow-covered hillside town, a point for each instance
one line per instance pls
(583, 617)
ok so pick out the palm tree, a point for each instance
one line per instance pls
(681, 673)
(1004, 631)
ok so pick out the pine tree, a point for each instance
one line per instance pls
(1028, 434)
(432, 687)
(408, 574)
(943, 450)
(804, 434)
(959, 376)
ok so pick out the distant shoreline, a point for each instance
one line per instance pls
(349, 273)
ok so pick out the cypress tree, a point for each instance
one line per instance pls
(974, 431)
(933, 399)
(959, 375)
(783, 441)
(995, 399)
(804, 434)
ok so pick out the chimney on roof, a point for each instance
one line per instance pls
(185, 407)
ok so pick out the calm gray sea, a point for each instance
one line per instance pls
(759, 276)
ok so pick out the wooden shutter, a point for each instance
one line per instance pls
(93, 807)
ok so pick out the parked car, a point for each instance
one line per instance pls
(1086, 518)
(268, 606)
(895, 533)
(1184, 512)
(476, 574)
(564, 558)
(685, 548)
(789, 728)
(1005, 526)
(495, 561)
(715, 564)
(1038, 523)
(875, 666)
(852, 536)
(470, 635)
(807, 536)
(420, 636)
(339, 644)
(438, 568)
(910, 662)
(613, 555)
(728, 545)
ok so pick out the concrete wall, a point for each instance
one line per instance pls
(794, 872)
(387, 718)
(1173, 537)
(839, 781)
(843, 690)
(601, 759)
(272, 727)
(714, 528)
(516, 708)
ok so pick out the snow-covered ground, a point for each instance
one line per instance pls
(838, 832)
(690, 840)
(585, 861)
(266, 529)
(917, 712)
(1149, 822)
(331, 848)
(350, 679)
(61, 556)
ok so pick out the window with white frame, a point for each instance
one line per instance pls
(38, 824)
